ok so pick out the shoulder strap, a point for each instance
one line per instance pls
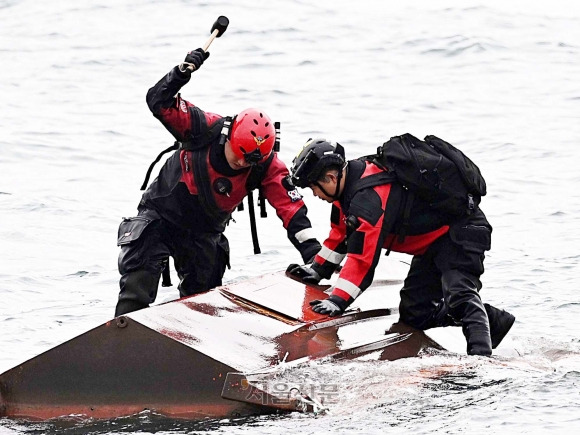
(254, 182)
(198, 141)
(382, 178)
(205, 135)
(404, 213)
(375, 180)
(148, 174)
(257, 174)
(370, 181)
(201, 178)
(253, 227)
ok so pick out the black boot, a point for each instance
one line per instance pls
(478, 340)
(500, 322)
(475, 327)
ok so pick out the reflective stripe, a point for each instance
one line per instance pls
(331, 256)
(306, 234)
(347, 287)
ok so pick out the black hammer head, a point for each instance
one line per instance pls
(221, 24)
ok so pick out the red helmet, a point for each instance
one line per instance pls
(252, 135)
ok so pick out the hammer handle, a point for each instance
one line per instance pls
(210, 40)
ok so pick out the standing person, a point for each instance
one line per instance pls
(368, 212)
(184, 212)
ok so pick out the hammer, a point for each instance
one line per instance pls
(217, 30)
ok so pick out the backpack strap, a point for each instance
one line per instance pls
(257, 173)
(370, 181)
(201, 139)
(201, 178)
(262, 203)
(254, 181)
(402, 231)
(404, 212)
(385, 177)
(148, 174)
(204, 137)
(203, 134)
(253, 227)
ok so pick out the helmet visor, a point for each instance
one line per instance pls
(303, 172)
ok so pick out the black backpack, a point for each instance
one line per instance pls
(435, 171)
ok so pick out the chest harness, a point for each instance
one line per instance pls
(198, 144)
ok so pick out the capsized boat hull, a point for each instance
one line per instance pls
(174, 358)
(119, 368)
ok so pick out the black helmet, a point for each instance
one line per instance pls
(311, 162)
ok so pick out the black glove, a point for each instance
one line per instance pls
(330, 306)
(193, 61)
(304, 273)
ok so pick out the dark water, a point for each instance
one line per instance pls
(500, 81)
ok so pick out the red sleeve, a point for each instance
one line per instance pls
(364, 250)
(179, 118)
(333, 249)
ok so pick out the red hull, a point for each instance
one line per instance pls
(174, 358)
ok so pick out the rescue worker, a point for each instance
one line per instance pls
(443, 283)
(184, 212)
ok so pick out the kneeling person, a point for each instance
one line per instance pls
(368, 213)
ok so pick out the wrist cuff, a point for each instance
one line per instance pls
(308, 250)
(178, 75)
(342, 304)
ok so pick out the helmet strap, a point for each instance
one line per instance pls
(337, 190)
(317, 184)
(338, 180)
(254, 157)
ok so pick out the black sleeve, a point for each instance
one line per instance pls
(162, 95)
(298, 225)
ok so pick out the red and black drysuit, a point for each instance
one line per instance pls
(442, 287)
(184, 212)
